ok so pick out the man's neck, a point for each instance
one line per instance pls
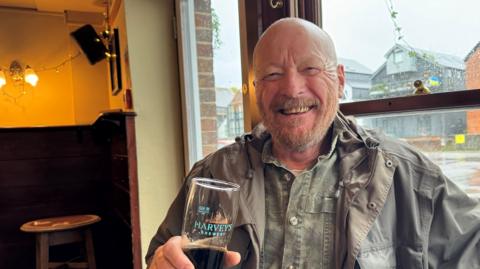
(300, 160)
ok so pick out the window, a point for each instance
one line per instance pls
(397, 42)
(393, 43)
(450, 139)
(397, 56)
(209, 46)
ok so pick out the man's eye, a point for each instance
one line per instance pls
(310, 71)
(272, 76)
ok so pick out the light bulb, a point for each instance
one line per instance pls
(3, 80)
(30, 76)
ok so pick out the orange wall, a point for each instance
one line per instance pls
(74, 95)
(90, 86)
(117, 101)
(40, 41)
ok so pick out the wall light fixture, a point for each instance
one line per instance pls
(19, 75)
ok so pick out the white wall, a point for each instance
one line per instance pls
(156, 96)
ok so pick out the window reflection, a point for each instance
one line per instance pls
(450, 139)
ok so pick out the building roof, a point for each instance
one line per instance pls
(352, 66)
(359, 84)
(443, 59)
(380, 68)
(477, 47)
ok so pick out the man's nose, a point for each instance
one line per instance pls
(294, 84)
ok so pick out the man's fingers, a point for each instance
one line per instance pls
(161, 264)
(159, 261)
(170, 256)
(172, 251)
(231, 258)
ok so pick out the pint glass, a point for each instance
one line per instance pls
(210, 212)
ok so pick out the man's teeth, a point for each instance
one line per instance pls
(296, 110)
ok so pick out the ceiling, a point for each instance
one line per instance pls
(56, 5)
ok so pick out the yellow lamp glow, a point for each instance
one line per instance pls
(30, 76)
(3, 80)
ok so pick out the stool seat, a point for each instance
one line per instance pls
(59, 223)
(59, 231)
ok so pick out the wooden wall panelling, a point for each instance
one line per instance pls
(55, 171)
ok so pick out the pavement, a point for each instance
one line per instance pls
(462, 167)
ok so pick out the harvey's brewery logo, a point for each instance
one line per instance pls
(212, 223)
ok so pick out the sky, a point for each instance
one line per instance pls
(365, 32)
(226, 62)
(362, 30)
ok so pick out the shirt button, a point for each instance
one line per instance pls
(293, 221)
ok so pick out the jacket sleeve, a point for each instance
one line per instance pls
(454, 240)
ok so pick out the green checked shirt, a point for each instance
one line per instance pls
(300, 212)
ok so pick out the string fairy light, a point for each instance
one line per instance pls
(21, 86)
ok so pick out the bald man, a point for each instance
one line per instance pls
(319, 191)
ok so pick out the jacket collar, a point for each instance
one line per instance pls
(351, 135)
(360, 163)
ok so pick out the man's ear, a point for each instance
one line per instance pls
(341, 80)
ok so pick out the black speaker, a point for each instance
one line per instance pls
(90, 43)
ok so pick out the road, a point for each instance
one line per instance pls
(461, 167)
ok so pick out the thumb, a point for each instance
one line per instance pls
(232, 258)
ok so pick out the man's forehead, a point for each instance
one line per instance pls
(281, 58)
(295, 51)
(293, 37)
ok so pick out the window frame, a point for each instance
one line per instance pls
(415, 103)
(184, 29)
(250, 29)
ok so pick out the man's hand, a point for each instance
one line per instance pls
(170, 255)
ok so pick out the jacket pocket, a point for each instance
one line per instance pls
(320, 204)
(391, 257)
(378, 258)
(318, 231)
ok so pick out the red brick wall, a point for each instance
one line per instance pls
(473, 122)
(472, 71)
(206, 82)
(472, 81)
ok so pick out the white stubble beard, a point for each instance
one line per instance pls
(300, 141)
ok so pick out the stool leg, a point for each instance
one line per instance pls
(42, 251)
(89, 249)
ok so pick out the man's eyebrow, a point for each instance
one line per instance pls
(264, 67)
(313, 59)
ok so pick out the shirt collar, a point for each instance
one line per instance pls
(267, 154)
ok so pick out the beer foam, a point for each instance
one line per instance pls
(203, 243)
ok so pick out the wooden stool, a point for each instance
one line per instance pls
(59, 231)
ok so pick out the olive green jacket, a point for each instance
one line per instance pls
(396, 208)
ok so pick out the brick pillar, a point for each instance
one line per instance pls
(472, 81)
(203, 29)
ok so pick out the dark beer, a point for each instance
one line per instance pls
(204, 257)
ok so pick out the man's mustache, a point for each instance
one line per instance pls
(284, 103)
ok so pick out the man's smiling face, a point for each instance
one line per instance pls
(297, 83)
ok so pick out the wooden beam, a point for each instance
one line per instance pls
(438, 101)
